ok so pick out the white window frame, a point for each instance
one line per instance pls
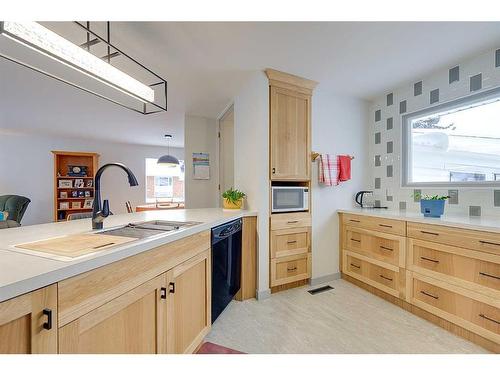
(406, 152)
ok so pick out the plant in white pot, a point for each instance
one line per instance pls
(432, 205)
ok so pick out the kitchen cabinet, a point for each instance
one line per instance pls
(28, 323)
(135, 322)
(189, 304)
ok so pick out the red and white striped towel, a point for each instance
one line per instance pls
(328, 170)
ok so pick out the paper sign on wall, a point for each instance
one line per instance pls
(201, 166)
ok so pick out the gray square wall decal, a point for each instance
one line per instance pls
(377, 203)
(390, 123)
(402, 205)
(453, 194)
(389, 198)
(417, 88)
(390, 147)
(476, 82)
(389, 171)
(496, 198)
(454, 74)
(377, 183)
(402, 106)
(378, 115)
(497, 58)
(378, 161)
(378, 138)
(416, 195)
(390, 99)
(474, 210)
(434, 96)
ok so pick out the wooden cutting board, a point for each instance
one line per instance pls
(76, 245)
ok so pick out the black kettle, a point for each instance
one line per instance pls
(365, 198)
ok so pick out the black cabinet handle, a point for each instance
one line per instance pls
(274, 170)
(163, 293)
(489, 243)
(355, 240)
(291, 269)
(429, 295)
(385, 226)
(354, 221)
(488, 318)
(48, 324)
(488, 275)
(290, 242)
(385, 278)
(431, 233)
(430, 260)
(172, 288)
(386, 248)
(355, 265)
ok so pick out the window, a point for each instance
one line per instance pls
(164, 183)
(453, 144)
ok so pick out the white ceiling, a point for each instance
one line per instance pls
(206, 64)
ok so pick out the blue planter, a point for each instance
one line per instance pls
(432, 208)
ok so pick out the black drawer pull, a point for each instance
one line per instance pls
(385, 225)
(171, 288)
(488, 275)
(431, 233)
(292, 221)
(489, 243)
(386, 248)
(48, 324)
(163, 293)
(355, 221)
(290, 242)
(430, 260)
(429, 295)
(488, 318)
(385, 278)
(291, 269)
(355, 265)
(355, 240)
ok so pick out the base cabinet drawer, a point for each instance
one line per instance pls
(385, 278)
(460, 306)
(290, 220)
(289, 269)
(397, 227)
(381, 246)
(472, 269)
(285, 242)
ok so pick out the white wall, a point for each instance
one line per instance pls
(200, 135)
(390, 192)
(26, 168)
(338, 127)
(251, 165)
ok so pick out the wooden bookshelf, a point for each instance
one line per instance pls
(62, 161)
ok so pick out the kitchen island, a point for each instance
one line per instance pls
(149, 295)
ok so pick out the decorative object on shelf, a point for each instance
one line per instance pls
(89, 183)
(233, 199)
(87, 193)
(130, 93)
(65, 184)
(64, 205)
(168, 160)
(63, 195)
(74, 194)
(77, 170)
(76, 205)
(79, 183)
(201, 166)
(89, 203)
(432, 205)
(81, 194)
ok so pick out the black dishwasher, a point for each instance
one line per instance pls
(226, 265)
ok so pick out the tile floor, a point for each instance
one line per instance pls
(346, 319)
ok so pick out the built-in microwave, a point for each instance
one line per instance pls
(289, 198)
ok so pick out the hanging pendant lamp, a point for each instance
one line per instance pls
(168, 160)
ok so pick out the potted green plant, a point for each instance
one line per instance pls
(233, 199)
(432, 205)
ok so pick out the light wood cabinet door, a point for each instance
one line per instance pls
(28, 323)
(134, 322)
(189, 304)
(290, 136)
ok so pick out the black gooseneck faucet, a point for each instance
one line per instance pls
(100, 213)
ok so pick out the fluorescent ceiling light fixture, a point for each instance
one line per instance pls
(41, 39)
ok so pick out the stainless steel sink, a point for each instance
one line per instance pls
(148, 228)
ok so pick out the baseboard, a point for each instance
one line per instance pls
(325, 279)
(263, 294)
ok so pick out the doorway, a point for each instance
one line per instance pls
(226, 151)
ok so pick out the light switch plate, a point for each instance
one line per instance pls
(453, 194)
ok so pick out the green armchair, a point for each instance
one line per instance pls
(16, 206)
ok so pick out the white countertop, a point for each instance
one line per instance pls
(21, 273)
(483, 223)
